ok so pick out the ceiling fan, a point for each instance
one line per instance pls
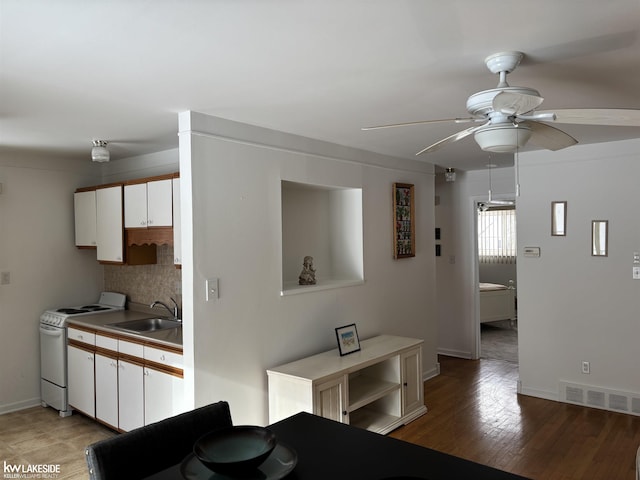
(509, 118)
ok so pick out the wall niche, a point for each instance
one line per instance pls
(324, 222)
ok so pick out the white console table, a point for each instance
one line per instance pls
(378, 388)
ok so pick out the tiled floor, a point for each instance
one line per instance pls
(40, 436)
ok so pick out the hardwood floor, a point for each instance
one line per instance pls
(475, 413)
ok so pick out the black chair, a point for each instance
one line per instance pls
(155, 447)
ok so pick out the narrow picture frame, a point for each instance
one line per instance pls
(404, 218)
(348, 341)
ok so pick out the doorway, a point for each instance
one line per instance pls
(496, 254)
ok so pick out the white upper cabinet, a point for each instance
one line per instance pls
(85, 218)
(148, 204)
(177, 219)
(109, 224)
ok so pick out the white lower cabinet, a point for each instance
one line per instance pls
(331, 399)
(163, 395)
(123, 384)
(130, 395)
(81, 379)
(411, 373)
(107, 389)
(378, 388)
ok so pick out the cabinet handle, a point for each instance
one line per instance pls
(150, 222)
(405, 384)
(162, 358)
(344, 412)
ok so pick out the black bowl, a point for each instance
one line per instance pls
(235, 449)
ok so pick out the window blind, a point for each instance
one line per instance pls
(497, 235)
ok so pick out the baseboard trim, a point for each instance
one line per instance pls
(431, 373)
(532, 392)
(14, 407)
(455, 353)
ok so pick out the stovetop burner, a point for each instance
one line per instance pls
(95, 308)
(72, 311)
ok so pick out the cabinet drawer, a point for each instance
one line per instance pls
(109, 343)
(164, 357)
(81, 336)
(130, 348)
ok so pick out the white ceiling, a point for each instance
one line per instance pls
(120, 70)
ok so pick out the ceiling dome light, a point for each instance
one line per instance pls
(99, 152)
(503, 138)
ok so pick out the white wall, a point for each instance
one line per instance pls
(47, 271)
(574, 307)
(234, 172)
(457, 268)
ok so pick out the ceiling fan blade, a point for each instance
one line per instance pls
(549, 137)
(423, 122)
(619, 117)
(450, 139)
(512, 103)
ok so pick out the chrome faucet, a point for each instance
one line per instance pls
(175, 312)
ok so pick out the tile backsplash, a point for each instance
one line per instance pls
(144, 284)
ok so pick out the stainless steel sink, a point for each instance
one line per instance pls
(147, 325)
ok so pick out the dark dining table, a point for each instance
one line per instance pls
(329, 450)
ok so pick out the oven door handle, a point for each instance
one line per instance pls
(51, 331)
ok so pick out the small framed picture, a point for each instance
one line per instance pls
(348, 341)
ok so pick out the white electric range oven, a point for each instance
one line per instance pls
(53, 347)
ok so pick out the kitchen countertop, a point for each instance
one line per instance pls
(171, 337)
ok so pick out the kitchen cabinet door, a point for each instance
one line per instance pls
(106, 371)
(160, 203)
(109, 224)
(81, 380)
(135, 205)
(411, 378)
(163, 395)
(148, 204)
(177, 225)
(85, 218)
(130, 395)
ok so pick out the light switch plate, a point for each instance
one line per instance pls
(212, 292)
(636, 273)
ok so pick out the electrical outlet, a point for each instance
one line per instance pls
(586, 367)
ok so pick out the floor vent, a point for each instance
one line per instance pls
(602, 398)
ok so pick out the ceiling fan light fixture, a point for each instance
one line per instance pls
(503, 138)
(99, 152)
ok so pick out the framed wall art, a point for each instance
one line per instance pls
(404, 236)
(348, 341)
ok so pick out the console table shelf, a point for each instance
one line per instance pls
(378, 388)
